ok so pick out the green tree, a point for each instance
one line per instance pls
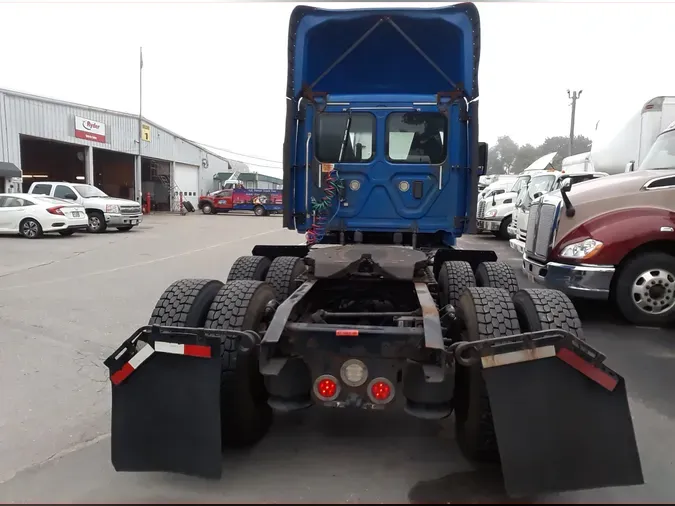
(525, 156)
(502, 155)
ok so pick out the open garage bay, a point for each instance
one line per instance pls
(67, 303)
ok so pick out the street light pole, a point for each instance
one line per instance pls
(574, 96)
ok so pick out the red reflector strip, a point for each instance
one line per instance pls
(192, 350)
(195, 350)
(347, 333)
(600, 377)
(141, 356)
(122, 374)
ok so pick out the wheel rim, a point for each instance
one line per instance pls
(30, 229)
(94, 222)
(654, 291)
(207, 209)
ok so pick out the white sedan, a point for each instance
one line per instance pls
(33, 215)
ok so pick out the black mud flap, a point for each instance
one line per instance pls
(561, 417)
(166, 402)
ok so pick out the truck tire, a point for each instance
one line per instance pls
(253, 268)
(543, 309)
(282, 275)
(453, 278)
(645, 289)
(504, 228)
(497, 275)
(185, 303)
(259, 211)
(486, 313)
(97, 224)
(245, 414)
(206, 208)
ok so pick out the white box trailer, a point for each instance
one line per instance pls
(577, 163)
(616, 151)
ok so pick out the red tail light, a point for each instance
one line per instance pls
(326, 387)
(381, 391)
(55, 210)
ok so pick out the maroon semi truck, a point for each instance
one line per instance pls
(612, 238)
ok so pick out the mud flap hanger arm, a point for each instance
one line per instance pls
(150, 334)
(567, 347)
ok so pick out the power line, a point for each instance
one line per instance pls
(239, 154)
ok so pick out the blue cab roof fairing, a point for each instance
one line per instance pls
(384, 51)
(387, 56)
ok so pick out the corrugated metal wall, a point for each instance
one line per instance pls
(38, 117)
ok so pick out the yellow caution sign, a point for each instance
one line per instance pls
(145, 132)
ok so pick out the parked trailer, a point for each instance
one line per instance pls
(378, 310)
(623, 150)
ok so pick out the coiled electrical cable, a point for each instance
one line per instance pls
(321, 208)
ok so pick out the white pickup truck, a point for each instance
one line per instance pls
(103, 211)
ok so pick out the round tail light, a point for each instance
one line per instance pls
(326, 387)
(381, 391)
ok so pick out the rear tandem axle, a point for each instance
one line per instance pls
(371, 327)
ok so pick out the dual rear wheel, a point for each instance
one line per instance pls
(239, 304)
(488, 306)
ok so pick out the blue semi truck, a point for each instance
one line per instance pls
(379, 309)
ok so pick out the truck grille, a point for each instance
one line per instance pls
(130, 209)
(481, 209)
(540, 228)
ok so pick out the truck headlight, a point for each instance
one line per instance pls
(582, 249)
(112, 208)
(491, 213)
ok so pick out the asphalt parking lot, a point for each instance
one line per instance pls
(67, 303)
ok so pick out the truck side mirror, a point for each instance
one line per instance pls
(630, 166)
(70, 196)
(537, 195)
(482, 158)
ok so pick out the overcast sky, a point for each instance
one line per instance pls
(215, 72)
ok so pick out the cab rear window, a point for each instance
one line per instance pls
(330, 134)
(416, 137)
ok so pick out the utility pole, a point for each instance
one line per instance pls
(574, 96)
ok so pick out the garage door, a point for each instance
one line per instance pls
(186, 178)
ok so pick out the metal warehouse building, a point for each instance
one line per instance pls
(42, 138)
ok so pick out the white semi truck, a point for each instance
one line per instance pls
(494, 211)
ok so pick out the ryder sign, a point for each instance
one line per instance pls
(89, 130)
